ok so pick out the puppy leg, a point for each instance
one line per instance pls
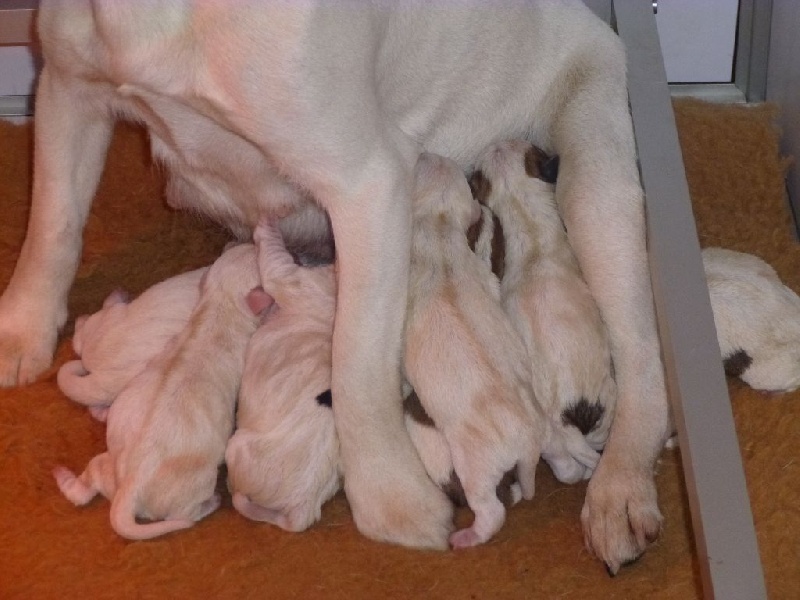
(390, 494)
(97, 477)
(601, 202)
(72, 137)
(480, 491)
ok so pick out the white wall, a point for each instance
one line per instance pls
(17, 71)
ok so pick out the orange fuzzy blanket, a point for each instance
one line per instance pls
(51, 549)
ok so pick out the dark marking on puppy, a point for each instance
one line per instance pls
(503, 489)
(498, 249)
(474, 232)
(480, 186)
(325, 399)
(413, 407)
(455, 491)
(583, 415)
(534, 158)
(737, 363)
(548, 169)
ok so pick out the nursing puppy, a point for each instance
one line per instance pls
(757, 319)
(116, 342)
(463, 358)
(253, 115)
(283, 460)
(551, 306)
(168, 428)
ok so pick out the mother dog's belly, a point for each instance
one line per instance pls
(219, 173)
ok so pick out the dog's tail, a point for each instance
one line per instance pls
(123, 518)
(79, 385)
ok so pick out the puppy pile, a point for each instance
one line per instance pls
(506, 360)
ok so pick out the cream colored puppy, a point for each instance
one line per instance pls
(462, 355)
(115, 343)
(168, 428)
(283, 460)
(757, 319)
(549, 303)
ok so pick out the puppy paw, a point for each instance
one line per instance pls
(465, 538)
(72, 487)
(400, 506)
(100, 413)
(620, 516)
(24, 353)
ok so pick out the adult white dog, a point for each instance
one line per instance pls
(249, 103)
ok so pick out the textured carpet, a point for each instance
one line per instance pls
(51, 549)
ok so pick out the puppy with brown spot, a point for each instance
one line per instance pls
(550, 305)
(463, 357)
(283, 460)
(168, 428)
(757, 319)
(115, 343)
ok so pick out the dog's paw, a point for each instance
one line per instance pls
(24, 352)
(400, 506)
(620, 515)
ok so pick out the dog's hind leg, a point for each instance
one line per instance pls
(71, 139)
(601, 202)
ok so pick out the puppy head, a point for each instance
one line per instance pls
(503, 167)
(441, 191)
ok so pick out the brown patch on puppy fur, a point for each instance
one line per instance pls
(498, 249)
(737, 363)
(413, 407)
(480, 186)
(534, 157)
(583, 415)
(474, 232)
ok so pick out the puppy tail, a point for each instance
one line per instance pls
(123, 518)
(79, 385)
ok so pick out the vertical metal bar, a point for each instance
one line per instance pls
(722, 522)
(752, 48)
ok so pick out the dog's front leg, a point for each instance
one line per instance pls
(391, 496)
(71, 139)
(601, 202)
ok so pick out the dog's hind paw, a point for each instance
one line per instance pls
(405, 510)
(620, 516)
